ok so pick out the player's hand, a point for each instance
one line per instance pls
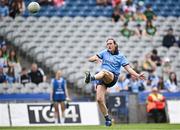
(142, 76)
(98, 61)
(68, 99)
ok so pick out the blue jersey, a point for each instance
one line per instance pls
(112, 63)
(59, 87)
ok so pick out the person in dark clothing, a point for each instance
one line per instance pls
(150, 29)
(36, 74)
(25, 78)
(178, 42)
(116, 15)
(169, 39)
(3, 77)
(45, 2)
(149, 13)
(17, 7)
(156, 58)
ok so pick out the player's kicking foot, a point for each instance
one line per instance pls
(108, 121)
(87, 77)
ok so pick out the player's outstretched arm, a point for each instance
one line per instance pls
(94, 58)
(130, 70)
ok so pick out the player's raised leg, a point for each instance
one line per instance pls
(104, 75)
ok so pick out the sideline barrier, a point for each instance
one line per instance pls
(31, 114)
(142, 96)
(117, 104)
(173, 110)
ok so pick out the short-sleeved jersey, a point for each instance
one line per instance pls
(112, 63)
(59, 87)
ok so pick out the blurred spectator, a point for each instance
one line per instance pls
(152, 81)
(136, 85)
(3, 61)
(140, 6)
(156, 58)
(25, 78)
(139, 17)
(148, 64)
(59, 3)
(116, 4)
(116, 15)
(149, 13)
(6, 2)
(14, 67)
(3, 76)
(171, 83)
(101, 2)
(129, 6)
(178, 42)
(156, 106)
(17, 7)
(2, 41)
(166, 68)
(160, 84)
(123, 83)
(126, 32)
(36, 74)
(129, 10)
(45, 2)
(136, 66)
(5, 52)
(4, 9)
(169, 39)
(139, 31)
(10, 75)
(150, 29)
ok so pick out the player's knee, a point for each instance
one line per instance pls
(107, 74)
(104, 72)
(99, 100)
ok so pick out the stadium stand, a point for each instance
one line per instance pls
(64, 37)
(55, 44)
(75, 31)
(86, 8)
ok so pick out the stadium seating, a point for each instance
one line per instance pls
(63, 37)
(84, 8)
(66, 42)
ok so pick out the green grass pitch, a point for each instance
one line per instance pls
(101, 127)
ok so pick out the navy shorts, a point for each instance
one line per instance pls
(59, 100)
(101, 82)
